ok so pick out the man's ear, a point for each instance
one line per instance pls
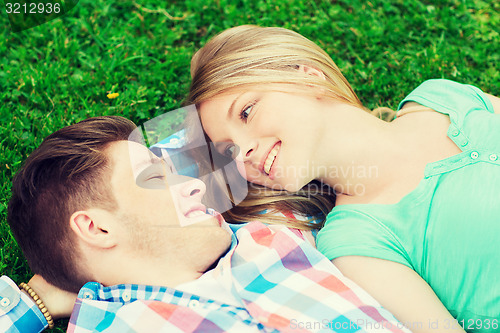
(311, 71)
(88, 227)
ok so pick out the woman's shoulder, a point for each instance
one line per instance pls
(438, 83)
(447, 96)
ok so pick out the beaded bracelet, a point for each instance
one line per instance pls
(38, 302)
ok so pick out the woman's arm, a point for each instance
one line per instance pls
(400, 290)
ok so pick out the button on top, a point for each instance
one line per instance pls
(455, 133)
(126, 296)
(174, 141)
(465, 143)
(88, 295)
(193, 304)
(474, 155)
(5, 302)
(493, 157)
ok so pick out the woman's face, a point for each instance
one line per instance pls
(271, 134)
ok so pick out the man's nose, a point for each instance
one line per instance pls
(193, 188)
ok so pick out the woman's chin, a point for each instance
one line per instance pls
(284, 185)
(280, 184)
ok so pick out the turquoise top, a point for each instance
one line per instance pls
(448, 228)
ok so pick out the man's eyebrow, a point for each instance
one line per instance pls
(231, 108)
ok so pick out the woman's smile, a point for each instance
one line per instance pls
(271, 157)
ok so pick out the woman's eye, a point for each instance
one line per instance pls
(229, 151)
(245, 113)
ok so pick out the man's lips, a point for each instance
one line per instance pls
(196, 211)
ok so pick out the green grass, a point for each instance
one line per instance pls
(60, 72)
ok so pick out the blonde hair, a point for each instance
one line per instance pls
(251, 55)
(246, 56)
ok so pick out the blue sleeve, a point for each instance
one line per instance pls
(353, 233)
(18, 312)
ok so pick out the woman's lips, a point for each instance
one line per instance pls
(271, 157)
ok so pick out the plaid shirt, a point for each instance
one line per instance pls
(281, 282)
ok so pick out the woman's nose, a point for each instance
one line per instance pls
(193, 188)
(249, 150)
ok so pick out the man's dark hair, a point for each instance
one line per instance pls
(69, 171)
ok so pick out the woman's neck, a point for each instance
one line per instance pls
(362, 154)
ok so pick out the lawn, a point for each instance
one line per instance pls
(61, 72)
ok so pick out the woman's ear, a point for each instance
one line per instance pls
(311, 71)
(90, 229)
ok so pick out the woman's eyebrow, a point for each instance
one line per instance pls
(231, 108)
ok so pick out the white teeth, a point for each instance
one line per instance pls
(195, 213)
(270, 158)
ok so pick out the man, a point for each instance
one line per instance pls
(91, 205)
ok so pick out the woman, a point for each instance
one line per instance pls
(416, 216)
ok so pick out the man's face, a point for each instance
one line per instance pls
(161, 214)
